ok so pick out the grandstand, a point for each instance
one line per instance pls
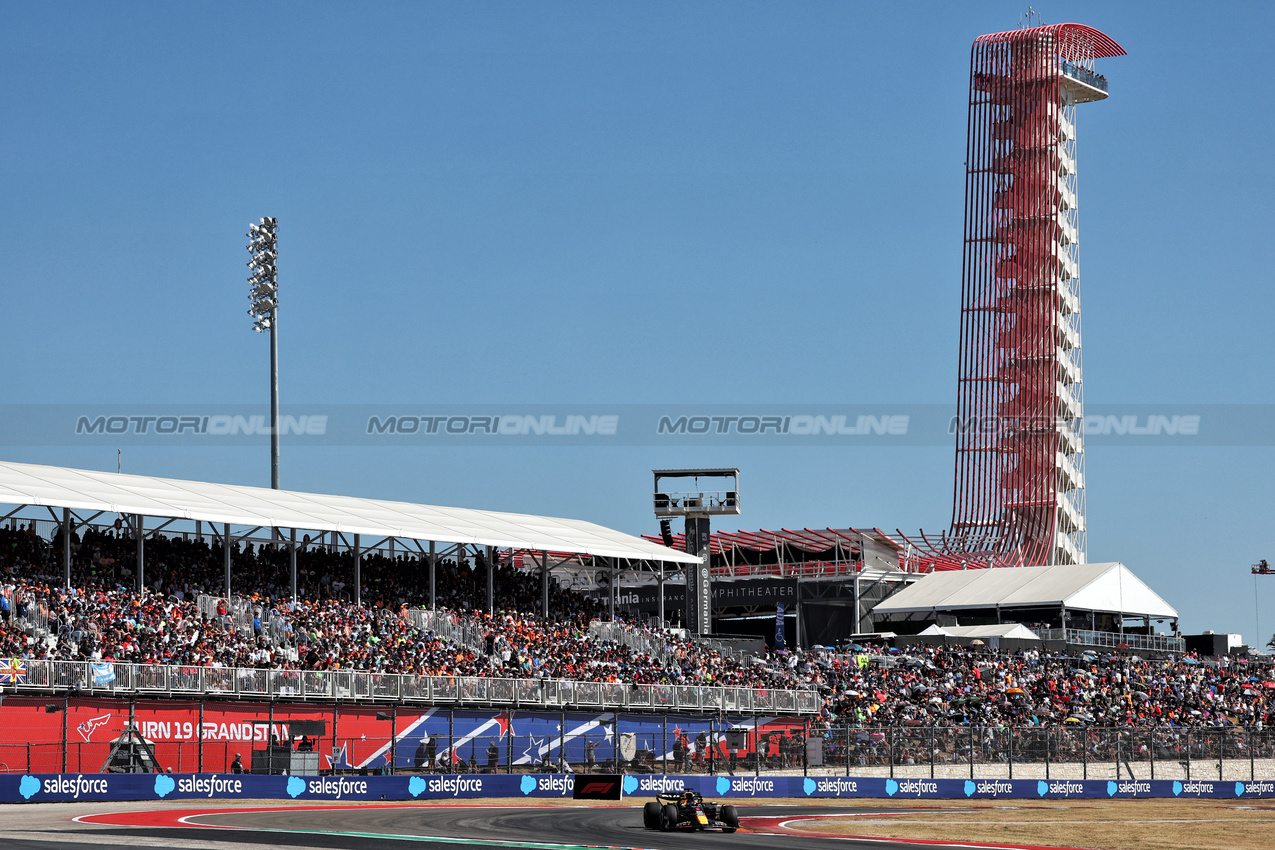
(463, 688)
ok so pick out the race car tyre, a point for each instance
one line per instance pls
(730, 817)
(668, 818)
(651, 815)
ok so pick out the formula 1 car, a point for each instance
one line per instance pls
(688, 810)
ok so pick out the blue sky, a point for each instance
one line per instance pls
(535, 203)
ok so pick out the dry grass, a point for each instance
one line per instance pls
(1090, 824)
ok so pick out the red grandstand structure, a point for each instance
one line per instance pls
(1019, 487)
(808, 553)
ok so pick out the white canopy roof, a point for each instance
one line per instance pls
(87, 490)
(1087, 587)
(1000, 630)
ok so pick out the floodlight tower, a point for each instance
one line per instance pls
(697, 506)
(1020, 469)
(264, 309)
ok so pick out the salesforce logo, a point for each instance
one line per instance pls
(415, 786)
(830, 786)
(164, 785)
(528, 784)
(1063, 789)
(296, 786)
(29, 787)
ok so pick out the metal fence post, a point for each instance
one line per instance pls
(451, 741)
(199, 756)
(1084, 755)
(805, 750)
(1221, 746)
(1049, 734)
(1009, 734)
(889, 746)
(664, 744)
(846, 748)
(1252, 765)
(509, 743)
(66, 709)
(971, 734)
(1188, 755)
(335, 716)
(931, 745)
(756, 746)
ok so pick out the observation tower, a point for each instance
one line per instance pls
(1020, 453)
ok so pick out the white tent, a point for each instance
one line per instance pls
(1109, 587)
(995, 630)
(87, 490)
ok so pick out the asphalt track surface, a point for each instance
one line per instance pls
(427, 827)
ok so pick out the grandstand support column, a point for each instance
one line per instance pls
(141, 553)
(660, 592)
(798, 611)
(491, 582)
(225, 551)
(611, 592)
(544, 584)
(858, 606)
(292, 562)
(433, 588)
(358, 569)
(66, 544)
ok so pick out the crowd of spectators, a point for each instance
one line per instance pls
(104, 618)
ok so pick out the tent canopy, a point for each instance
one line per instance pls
(87, 490)
(1108, 587)
(996, 630)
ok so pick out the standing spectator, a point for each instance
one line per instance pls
(493, 756)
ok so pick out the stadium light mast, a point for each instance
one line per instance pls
(264, 299)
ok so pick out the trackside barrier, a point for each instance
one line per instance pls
(118, 678)
(112, 787)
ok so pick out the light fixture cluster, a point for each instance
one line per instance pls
(264, 295)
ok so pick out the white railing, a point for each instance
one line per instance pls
(345, 685)
(27, 613)
(649, 645)
(449, 627)
(1085, 637)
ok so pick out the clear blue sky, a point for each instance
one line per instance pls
(522, 203)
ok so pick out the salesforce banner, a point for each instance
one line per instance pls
(109, 787)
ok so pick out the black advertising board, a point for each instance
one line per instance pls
(764, 592)
(602, 786)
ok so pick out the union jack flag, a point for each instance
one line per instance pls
(13, 671)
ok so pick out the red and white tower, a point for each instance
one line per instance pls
(1020, 456)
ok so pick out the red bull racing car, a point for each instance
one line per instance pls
(688, 810)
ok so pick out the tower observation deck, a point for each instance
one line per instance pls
(1020, 457)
